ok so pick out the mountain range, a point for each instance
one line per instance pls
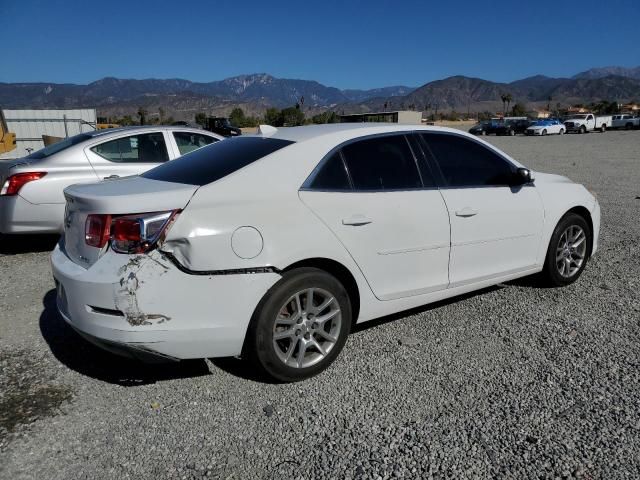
(256, 92)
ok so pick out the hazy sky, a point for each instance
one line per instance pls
(358, 44)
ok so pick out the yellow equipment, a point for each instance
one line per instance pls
(7, 139)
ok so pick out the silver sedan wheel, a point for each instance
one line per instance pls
(307, 327)
(571, 251)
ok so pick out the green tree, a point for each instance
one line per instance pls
(519, 110)
(272, 117)
(237, 117)
(291, 117)
(201, 119)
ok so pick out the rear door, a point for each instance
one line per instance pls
(386, 210)
(129, 154)
(495, 228)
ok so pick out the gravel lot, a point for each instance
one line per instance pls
(512, 382)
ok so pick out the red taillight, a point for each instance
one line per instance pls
(126, 229)
(137, 233)
(97, 230)
(15, 182)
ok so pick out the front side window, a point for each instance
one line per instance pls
(381, 163)
(466, 163)
(142, 148)
(188, 141)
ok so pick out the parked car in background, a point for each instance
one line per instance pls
(508, 126)
(550, 126)
(626, 121)
(32, 199)
(222, 126)
(274, 246)
(587, 122)
(480, 128)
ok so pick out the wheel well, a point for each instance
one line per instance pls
(339, 271)
(584, 213)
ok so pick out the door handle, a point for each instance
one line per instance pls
(466, 212)
(356, 220)
(111, 177)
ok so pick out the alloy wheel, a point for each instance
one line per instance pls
(571, 251)
(307, 327)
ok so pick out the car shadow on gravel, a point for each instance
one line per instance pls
(83, 357)
(17, 244)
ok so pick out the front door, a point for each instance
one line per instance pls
(495, 228)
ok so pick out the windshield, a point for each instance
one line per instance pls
(215, 161)
(59, 146)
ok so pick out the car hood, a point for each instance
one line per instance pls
(547, 178)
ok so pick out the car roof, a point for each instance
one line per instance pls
(110, 131)
(350, 130)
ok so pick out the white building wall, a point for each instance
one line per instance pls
(30, 125)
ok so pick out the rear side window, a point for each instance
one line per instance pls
(143, 148)
(215, 161)
(382, 163)
(465, 163)
(332, 175)
(189, 141)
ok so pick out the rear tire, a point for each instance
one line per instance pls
(603, 128)
(568, 251)
(294, 336)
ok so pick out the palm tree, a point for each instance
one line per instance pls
(508, 99)
(503, 97)
(142, 113)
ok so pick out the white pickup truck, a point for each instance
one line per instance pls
(587, 122)
(625, 120)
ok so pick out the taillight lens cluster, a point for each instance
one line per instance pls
(15, 182)
(135, 233)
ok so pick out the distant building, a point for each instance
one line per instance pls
(630, 107)
(578, 110)
(539, 114)
(31, 126)
(402, 116)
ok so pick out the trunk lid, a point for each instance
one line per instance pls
(115, 197)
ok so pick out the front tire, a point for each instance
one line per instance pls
(300, 326)
(544, 132)
(561, 131)
(583, 129)
(568, 251)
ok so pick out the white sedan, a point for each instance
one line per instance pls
(546, 127)
(273, 246)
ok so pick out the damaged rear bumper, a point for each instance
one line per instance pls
(144, 306)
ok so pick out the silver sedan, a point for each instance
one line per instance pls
(31, 197)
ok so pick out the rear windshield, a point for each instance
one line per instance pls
(59, 146)
(215, 161)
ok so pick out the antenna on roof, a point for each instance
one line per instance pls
(266, 130)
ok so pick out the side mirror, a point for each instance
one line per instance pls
(522, 176)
